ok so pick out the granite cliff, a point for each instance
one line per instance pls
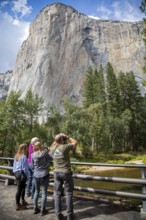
(4, 84)
(62, 43)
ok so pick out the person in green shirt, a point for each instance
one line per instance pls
(60, 151)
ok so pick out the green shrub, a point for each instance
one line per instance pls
(3, 171)
(115, 162)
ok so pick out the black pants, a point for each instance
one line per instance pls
(20, 189)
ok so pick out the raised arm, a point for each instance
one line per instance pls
(71, 140)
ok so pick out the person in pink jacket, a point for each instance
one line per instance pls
(30, 183)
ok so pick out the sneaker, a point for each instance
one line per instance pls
(43, 212)
(36, 210)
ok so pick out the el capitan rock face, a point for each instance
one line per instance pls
(61, 45)
(4, 84)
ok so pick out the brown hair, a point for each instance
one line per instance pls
(21, 151)
(37, 146)
(59, 138)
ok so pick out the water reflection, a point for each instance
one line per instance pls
(123, 172)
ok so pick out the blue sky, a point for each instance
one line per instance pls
(16, 16)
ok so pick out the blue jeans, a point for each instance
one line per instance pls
(44, 183)
(65, 178)
(30, 182)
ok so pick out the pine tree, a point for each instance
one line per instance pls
(94, 87)
(131, 100)
(53, 123)
(32, 109)
(122, 83)
(100, 96)
(89, 88)
(11, 123)
(112, 91)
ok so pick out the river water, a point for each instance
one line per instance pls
(124, 172)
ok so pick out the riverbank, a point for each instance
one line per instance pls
(94, 169)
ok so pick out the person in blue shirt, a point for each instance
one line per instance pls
(20, 170)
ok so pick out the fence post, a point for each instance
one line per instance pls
(10, 172)
(143, 210)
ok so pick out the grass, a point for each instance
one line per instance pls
(104, 157)
(3, 171)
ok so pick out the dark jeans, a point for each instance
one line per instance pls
(60, 179)
(30, 182)
(44, 183)
(20, 188)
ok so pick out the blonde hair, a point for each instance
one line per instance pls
(34, 139)
(21, 151)
(37, 146)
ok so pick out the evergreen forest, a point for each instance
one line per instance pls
(111, 119)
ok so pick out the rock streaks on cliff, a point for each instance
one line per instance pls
(62, 43)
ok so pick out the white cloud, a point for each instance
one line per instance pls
(16, 22)
(13, 33)
(20, 7)
(94, 17)
(119, 10)
(125, 11)
(14, 30)
(104, 11)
